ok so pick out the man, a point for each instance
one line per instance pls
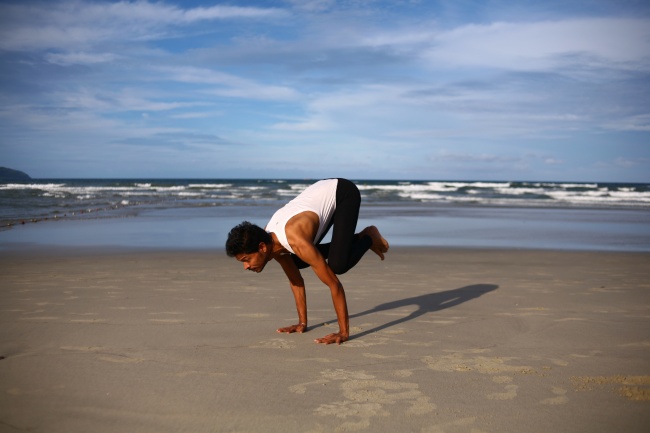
(292, 238)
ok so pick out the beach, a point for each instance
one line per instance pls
(442, 340)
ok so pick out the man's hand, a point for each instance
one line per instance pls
(337, 338)
(299, 328)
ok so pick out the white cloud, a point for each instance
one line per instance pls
(346, 110)
(360, 75)
(626, 162)
(310, 124)
(623, 43)
(69, 24)
(514, 160)
(313, 5)
(411, 113)
(79, 58)
(401, 37)
(230, 85)
(123, 100)
(639, 122)
(197, 115)
(230, 12)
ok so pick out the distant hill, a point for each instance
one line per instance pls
(9, 175)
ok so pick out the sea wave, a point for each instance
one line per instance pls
(92, 197)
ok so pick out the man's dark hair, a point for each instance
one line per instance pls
(245, 238)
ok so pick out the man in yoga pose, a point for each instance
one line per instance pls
(293, 237)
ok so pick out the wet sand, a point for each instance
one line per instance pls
(443, 340)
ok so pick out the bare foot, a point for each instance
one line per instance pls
(379, 244)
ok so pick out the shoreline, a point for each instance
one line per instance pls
(27, 251)
(206, 228)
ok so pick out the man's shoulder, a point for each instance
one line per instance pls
(306, 219)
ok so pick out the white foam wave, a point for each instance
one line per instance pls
(490, 193)
(601, 196)
(520, 191)
(170, 188)
(508, 193)
(210, 185)
(31, 186)
(566, 185)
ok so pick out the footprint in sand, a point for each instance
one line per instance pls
(475, 360)
(636, 388)
(560, 397)
(275, 343)
(365, 397)
(459, 361)
(509, 394)
(369, 341)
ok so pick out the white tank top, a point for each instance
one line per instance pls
(319, 198)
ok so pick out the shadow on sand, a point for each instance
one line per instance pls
(429, 303)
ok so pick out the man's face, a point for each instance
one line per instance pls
(253, 261)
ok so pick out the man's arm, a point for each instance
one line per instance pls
(310, 255)
(298, 288)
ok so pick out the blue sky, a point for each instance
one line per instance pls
(452, 89)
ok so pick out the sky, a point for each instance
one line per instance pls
(553, 90)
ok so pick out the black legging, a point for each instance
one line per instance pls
(346, 249)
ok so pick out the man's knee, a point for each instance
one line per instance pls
(339, 268)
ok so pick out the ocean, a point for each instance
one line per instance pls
(197, 213)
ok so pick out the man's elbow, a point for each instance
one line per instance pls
(337, 288)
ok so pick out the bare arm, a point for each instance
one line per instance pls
(309, 254)
(298, 288)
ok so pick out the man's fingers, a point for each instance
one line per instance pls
(293, 328)
(330, 339)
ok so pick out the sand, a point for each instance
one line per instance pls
(443, 340)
